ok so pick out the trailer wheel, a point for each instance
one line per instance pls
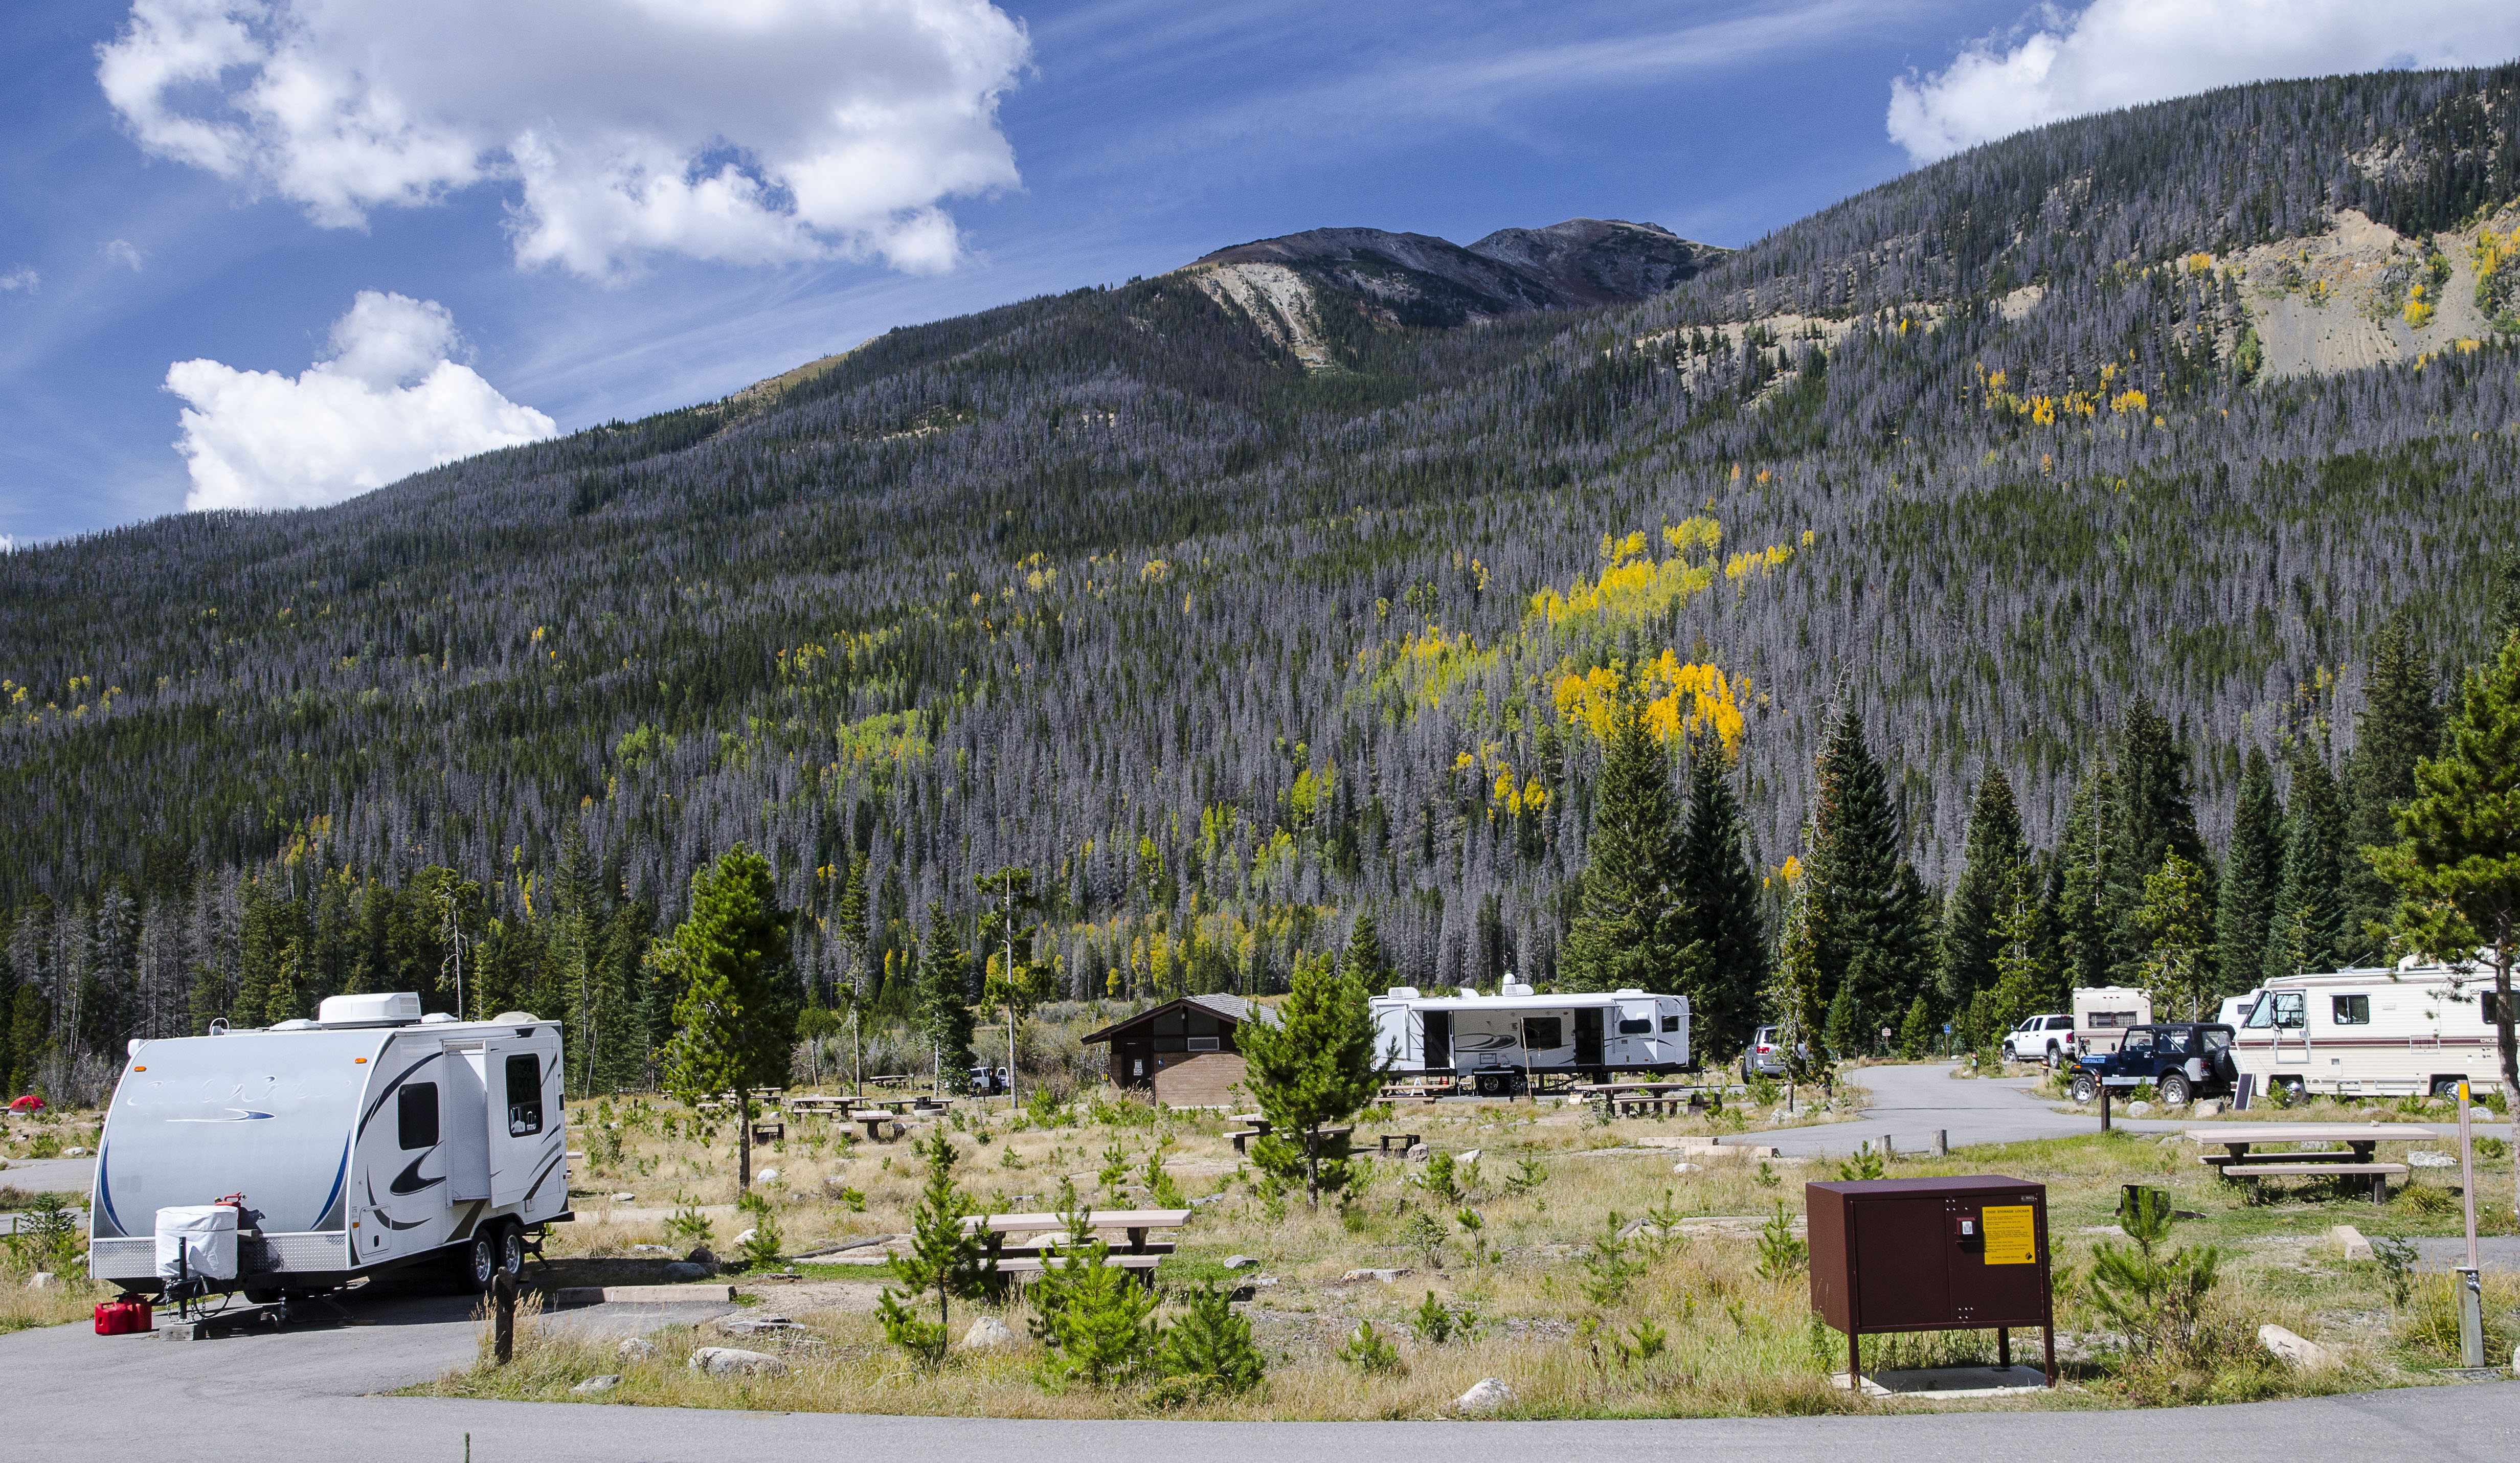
(2288, 1090)
(472, 1262)
(2446, 1087)
(512, 1248)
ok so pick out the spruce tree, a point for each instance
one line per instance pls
(1991, 859)
(1720, 920)
(2309, 915)
(1361, 956)
(738, 1006)
(1629, 933)
(2089, 856)
(2252, 869)
(2154, 819)
(1312, 1070)
(944, 995)
(2399, 725)
(1796, 998)
(1855, 859)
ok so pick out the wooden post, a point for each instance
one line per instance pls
(503, 1300)
(1854, 1361)
(2003, 1347)
(2104, 1107)
(1942, 1142)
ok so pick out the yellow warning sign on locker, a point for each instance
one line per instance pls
(2012, 1235)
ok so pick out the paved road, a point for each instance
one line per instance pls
(304, 1396)
(1909, 1102)
(59, 1175)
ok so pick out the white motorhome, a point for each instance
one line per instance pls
(1503, 1043)
(2373, 1033)
(372, 1137)
(2102, 1013)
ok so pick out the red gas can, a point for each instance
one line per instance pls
(122, 1317)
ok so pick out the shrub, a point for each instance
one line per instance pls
(2158, 1300)
(1608, 1269)
(1093, 1316)
(47, 1237)
(1780, 1252)
(688, 1226)
(1865, 1164)
(1209, 1351)
(1370, 1351)
(1436, 1178)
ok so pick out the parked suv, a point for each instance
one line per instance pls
(1765, 1056)
(2183, 1060)
(2041, 1038)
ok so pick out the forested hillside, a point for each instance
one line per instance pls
(1232, 617)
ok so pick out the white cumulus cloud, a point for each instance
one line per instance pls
(123, 251)
(2117, 52)
(390, 402)
(745, 131)
(20, 278)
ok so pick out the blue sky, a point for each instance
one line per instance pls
(1127, 138)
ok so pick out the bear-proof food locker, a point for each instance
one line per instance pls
(1963, 1254)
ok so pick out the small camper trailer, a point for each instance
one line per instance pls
(1503, 1044)
(370, 1138)
(2417, 1030)
(2102, 1014)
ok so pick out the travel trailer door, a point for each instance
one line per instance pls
(463, 1136)
(521, 1114)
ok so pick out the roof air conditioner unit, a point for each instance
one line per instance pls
(401, 1008)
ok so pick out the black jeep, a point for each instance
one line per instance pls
(2183, 1060)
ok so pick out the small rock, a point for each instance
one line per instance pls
(638, 1348)
(1204, 1200)
(685, 1269)
(2422, 1159)
(2210, 1109)
(75, 1153)
(987, 1334)
(649, 1250)
(2138, 1109)
(1470, 1157)
(2351, 1240)
(767, 1175)
(755, 1325)
(728, 1361)
(1382, 1275)
(628, 1199)
(746, 1238)
(1417, 1152)
(40, 1280)
(1487, 1397)
(594, 1385)
(2294, 1350)
(1686, 1168)
(701, 1255)
(1239, 1261)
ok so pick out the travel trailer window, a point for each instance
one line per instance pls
(1636, 1026)
(415, 1116)
(2350, 1010)
(2112, 1018)
(1543, 1032)
(524, 1096)
(1671, 1023)
(2485, 1004)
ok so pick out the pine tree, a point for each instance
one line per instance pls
(1362, 957)
(1993, 853)
(2154, 819)
(737, 1004)
(1854, 866)
(2252, 871)
(1720, 919)
(1629, 933)
(1313, 1070)
(1796, 999)
(2399, 725)
(2088, 853)
(944, 996)
(2025, 965)
(2178, 923)
(943, 1258)
(2309, 914)
(2456, 860)
(849, 922)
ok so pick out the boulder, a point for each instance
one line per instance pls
(744, 1238)
(2351, 1241)
(594, 1385)
(2425, 1159)
(1417, 1152)
(41, 1280)
(765, 1176)
(1487, 1396)
(2138, 1109)
(625, 1199)
(75, 1153)
(2210, 1109)
(2294, 1349)
(700, 1255)
(729, 1362)
(638, 1348)
(685, 1269)
(1239, 1261)
(1385, 1276)
(1686, 1169)
(987, 1334)
(1470, 1157)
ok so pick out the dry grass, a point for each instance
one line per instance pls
(1737, 1343)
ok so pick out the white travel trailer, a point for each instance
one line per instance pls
(2375, 1033)
(2102, 1013)
(1503, 1044)
(372, 1137)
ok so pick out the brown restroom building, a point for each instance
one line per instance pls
(1183, 1053)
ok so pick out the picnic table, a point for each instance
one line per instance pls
(2237, 1164)
(1635, 1098)
(820, 1104)
(1139, 1255)
(1258, 1126)
(1431, 1090)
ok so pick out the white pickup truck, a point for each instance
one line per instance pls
(2046, 1039)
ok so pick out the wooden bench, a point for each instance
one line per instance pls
(770, 1132)
(1140, 1265)
(1049, 1231)
(1424, 1091)
(1405, 1141)
(2378, 1174)
(1253, 1125)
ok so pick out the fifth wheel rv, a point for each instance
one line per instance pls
(370, 1138)
(1508, 1043)
(2376, 1033)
